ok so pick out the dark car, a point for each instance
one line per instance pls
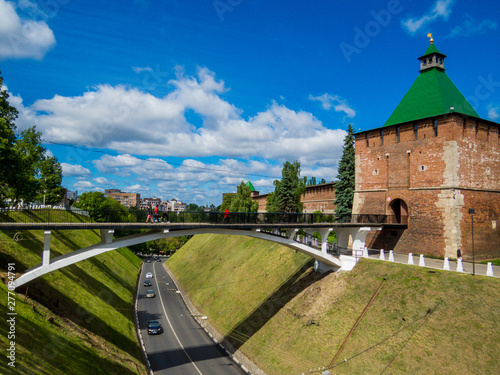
(158, 260)
(154, 327)
(147, 283)
(148, 261)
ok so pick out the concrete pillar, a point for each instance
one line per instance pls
(446, 265)
(107, 236)
(460, 267)
(410, 258)
(359, 238)
(382, 256)
(46, 248)
(421, 262)
(324, 232)
(290, 232)
(489, 269)
(391, 256)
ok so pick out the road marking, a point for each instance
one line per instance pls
(170, 324)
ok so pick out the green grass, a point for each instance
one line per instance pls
(77, 319)
(289, 320)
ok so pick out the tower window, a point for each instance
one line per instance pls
(415, 131)
(381, 137)
(398, 134)
(435, 128)
(367, 140)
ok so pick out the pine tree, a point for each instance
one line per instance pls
(344, 187)
(287, 191)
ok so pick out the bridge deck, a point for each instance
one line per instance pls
(180, 226)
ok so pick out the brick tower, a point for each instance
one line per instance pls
(430, 163)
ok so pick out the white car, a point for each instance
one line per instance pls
(149, 275)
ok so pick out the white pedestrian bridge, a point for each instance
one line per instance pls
(278, 228)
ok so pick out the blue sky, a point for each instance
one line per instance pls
(185, 99)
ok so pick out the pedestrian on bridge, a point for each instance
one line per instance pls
(150, 213)
(226, 216)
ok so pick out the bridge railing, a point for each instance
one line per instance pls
(75, 215)
(240, 217)
(70, 214)
(59, 214)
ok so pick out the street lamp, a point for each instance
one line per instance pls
(472, 211)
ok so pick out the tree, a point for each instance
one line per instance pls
(345, 185)
(226, 201)
(242, 201)
(8, 161)
(287, 191)
(26, 171)
(102, 208)
(30, 153)
(51, 191)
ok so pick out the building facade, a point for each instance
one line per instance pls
(125, 199)
(435, 164)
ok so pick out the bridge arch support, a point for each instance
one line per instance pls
(107, 243)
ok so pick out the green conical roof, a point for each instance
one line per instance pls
(431, 49)
(432, 94)
(249, 184)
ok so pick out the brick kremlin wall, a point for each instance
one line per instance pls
(439, 177)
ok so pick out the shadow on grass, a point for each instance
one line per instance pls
(49, 350)
(26, 240)
(70, 244)
(242, 332)
(62, 305)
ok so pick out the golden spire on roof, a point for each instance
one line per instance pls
(429, 35)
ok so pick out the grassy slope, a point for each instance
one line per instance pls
(289, 320)
(78, 318)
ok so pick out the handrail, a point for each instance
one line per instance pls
(70, 214)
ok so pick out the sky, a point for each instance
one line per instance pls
(186, 99)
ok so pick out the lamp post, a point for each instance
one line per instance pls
(472, 211)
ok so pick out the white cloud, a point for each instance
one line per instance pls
(22, 37)
(493, 113)
(138, 69)
(74, 170)
(83, 185)
(127, 120)
(339, 104)
(441, 9)
(472, 27)
(102, 180)
(217, 147)
(137, 188)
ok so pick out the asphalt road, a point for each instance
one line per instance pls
(183, 348)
